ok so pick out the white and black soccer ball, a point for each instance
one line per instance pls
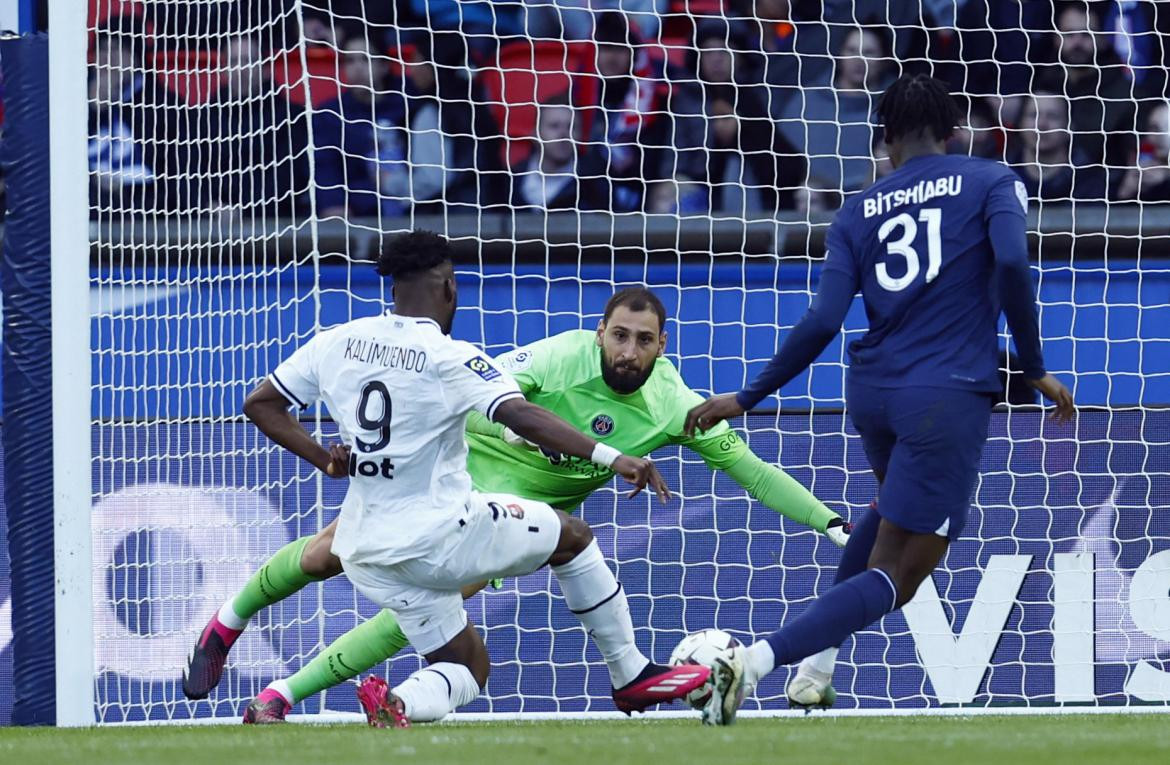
(702, 647)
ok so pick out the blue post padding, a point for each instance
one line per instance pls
(28, 376)
(27, 16)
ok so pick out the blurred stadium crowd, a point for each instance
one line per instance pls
(743, 108)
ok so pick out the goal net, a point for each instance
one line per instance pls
(247, 160)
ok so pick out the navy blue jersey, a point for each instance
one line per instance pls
(916, 245)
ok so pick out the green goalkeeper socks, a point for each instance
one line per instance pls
(367, 644)
(279, 577)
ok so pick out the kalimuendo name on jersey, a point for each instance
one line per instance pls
(950, 186)
(388, 356)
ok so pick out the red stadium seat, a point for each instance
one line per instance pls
(399, 56)
(697, 7)
(527, 73)
(324, 74)
(100, 10)
(192, 74)
(674, 49)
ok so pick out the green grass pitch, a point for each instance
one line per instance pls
(982, 740)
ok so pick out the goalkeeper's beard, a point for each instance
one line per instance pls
(624, 380)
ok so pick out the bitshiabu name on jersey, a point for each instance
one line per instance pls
(924, 190)
(388, 356)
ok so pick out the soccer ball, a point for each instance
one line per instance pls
(701, 647)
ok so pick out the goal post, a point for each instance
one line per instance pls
(247, 160)
(72, 372)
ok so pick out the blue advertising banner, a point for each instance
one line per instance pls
(177, 342)
(1056, 593)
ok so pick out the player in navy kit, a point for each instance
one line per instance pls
(937, 249)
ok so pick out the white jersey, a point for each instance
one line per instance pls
(400, 391)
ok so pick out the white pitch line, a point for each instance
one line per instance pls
(334, 718)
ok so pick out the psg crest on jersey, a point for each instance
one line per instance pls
(602, 425)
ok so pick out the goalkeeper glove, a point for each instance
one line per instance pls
(838, 531)
(513, 439)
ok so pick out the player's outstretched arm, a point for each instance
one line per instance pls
(775, 489)
(268, 410)
(1009, 241)
(722, 449)
(546, 429)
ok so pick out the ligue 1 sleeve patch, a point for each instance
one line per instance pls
(1022, 195)
(516, 361)
(481, 367)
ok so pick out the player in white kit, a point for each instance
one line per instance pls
(412, 532)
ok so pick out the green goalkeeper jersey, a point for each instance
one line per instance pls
(563, 374)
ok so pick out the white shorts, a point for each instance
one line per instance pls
(499, 535)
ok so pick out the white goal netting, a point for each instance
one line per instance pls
(247, 158)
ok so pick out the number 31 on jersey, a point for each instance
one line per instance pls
(904, 246)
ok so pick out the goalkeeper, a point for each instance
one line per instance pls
(612, 384)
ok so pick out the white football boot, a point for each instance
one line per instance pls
(811, 689)
(731, 679)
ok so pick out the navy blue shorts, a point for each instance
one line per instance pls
(924, 445)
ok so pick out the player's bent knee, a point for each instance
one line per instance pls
(908, 579)
(907, 588)
(467, 649)
(480, 666)
(919, 559)
(480, 671)
(575, 537)
(905, 591)
(905, 578)
(473, 589)
(575, 534)
(318, 559)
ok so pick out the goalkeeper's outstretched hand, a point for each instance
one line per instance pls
(511, 438)
(838, 531)
(641, 472)
(712, 412)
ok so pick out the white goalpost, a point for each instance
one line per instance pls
(246, 160)
(72, 561)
